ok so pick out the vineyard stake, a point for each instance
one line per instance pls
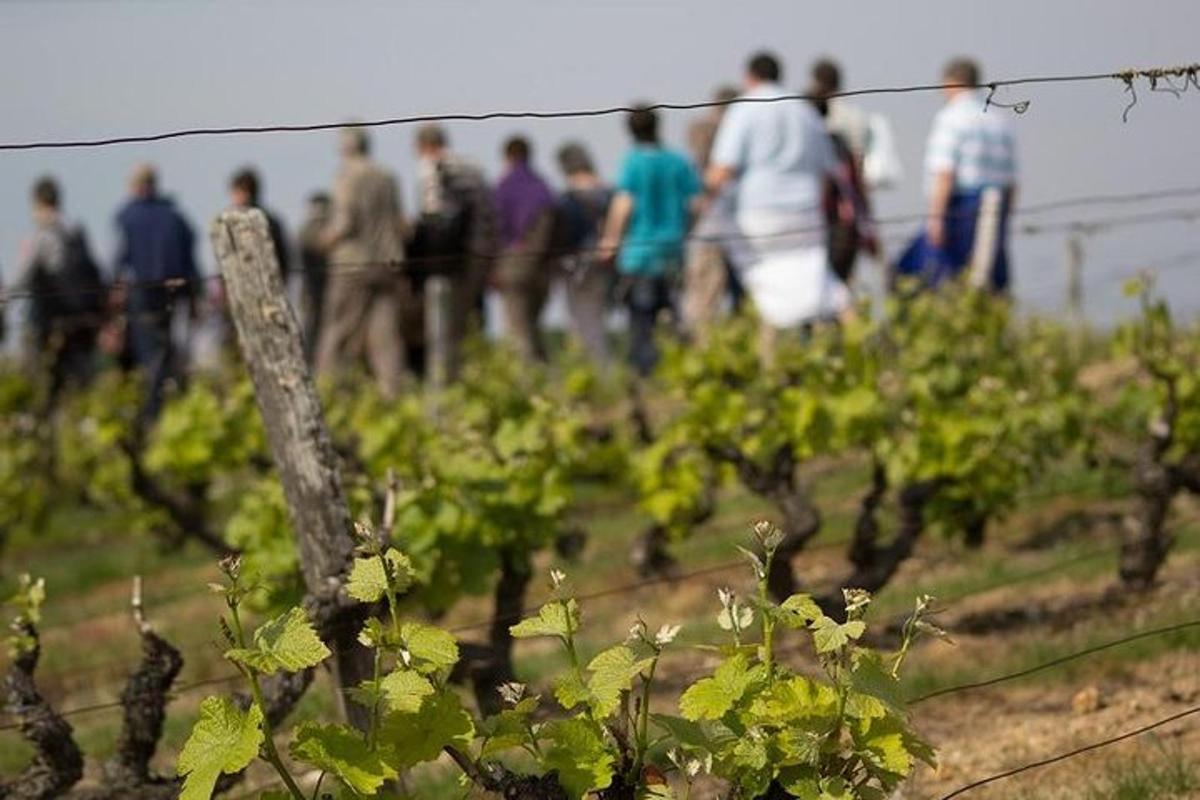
(270, 342)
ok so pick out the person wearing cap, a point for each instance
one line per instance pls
(157, 259)
(367, 286)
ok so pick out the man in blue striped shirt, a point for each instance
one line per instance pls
(970, 182)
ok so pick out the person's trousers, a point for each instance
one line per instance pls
(524, 285)
(646, 297)
(587, 284)
(151, 312)
(362, 313)
(704, 284)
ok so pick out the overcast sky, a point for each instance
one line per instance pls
(94, 68)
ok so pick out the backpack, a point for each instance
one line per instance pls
(73, 292)
(439, 241)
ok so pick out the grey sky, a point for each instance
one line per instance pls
(73, 69)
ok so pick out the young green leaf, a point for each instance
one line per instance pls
(554, 619)
(405, 690)
(368, 583)
(711, 698)
(411, 739)
(432, 645)
(829, 635)
(613, 672)
(798, 611)
(570, 691)
(286, 643)
(343, 752)
(578, 753)
(224, 739)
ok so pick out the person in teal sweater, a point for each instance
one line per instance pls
(656, 195)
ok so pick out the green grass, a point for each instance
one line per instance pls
(1158, 773)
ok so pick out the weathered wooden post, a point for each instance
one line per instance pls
(270, 341)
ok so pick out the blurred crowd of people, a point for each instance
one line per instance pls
(770, 205)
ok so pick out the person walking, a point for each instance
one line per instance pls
(527, 215)
(588, 280)
(366, 288)
(157, 258)
(656, 195)
(67, 293)
(314, 265)
(708, 275)
(245, 193)
(867, 134)
(971, 184)
(780, 156)
(455, 242)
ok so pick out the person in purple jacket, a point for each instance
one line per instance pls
(526, 207)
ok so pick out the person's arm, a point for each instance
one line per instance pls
(340, 225)
(728, 152)
(619, 212)
(941, 159)
(941, 186)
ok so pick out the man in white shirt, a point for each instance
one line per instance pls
(780, 155)
(971, 185)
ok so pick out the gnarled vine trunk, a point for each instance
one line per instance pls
(875, 562)
(57, 762)
(496, 666)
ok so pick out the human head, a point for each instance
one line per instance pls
(574, 160)
(432, 141)
(45, 195)
(517, 150)
(144, 181)
(243, 188)
(354, 142)
(643, 124)
(960, 75)
(826, 77)
(763, 67)
(318, 202)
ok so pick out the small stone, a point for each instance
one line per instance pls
(1087, 701)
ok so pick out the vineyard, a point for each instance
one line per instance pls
(918, 550)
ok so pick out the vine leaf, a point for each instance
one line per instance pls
(432, 645)
(287, 643)
(343, 752)
(613, 672)
(417, 737)
(829, 635)
(224, 739)
(798, 611)
(405, 690)
(368, 583)
(578, 753)
(554, 619)
(711, 698)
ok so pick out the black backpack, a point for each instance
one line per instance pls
(74, 294)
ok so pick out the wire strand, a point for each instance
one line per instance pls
(1126, 76)
(964, 687)
(1069, 754)
(1083, 226)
